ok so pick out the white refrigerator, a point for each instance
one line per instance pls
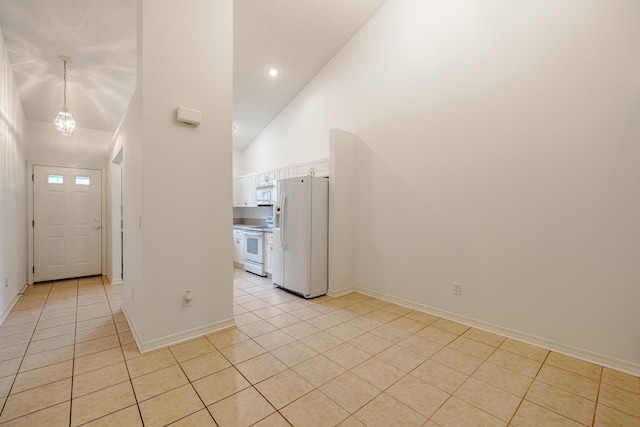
(300, 236)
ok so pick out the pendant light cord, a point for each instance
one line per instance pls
(63, 122)
(65, 85)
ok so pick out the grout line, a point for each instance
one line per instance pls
(345, 321)
(529, 387)
(128, 374)
(25, 355)
(595, 409)
(73, 359)
(124, 360)
(25, 351)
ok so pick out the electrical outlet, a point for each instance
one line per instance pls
(457, 288)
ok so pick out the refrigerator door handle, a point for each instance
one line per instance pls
(283, 214)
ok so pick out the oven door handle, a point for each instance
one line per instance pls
(253, 234)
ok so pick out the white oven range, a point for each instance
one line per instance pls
(253, 256)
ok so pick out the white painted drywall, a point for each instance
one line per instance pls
(342, 188)
(237, 163)
(85, 148)
(306, 140)
(129, 137)
(500, 150)
(13, 188)
(176, 174)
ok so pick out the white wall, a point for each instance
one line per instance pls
(237, 163)
(306, 140)
(13, 189)
(175, 174)
(85, 148)
(500, 151)
(129, 137)
(342, 206)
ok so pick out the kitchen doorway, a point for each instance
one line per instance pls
(115, 218)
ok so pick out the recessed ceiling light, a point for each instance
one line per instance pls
(273, 72)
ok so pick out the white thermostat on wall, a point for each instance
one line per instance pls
(188, 115)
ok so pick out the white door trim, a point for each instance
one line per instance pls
(114, 244)
(30, 194)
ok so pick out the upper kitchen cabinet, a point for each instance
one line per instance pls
(315, 168)
(245, 194)
(321, 167)
(303, 169)
(287, 172)
(267, 178)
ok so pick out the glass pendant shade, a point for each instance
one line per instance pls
(64, 123)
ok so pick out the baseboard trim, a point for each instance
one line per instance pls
(113, 282)
(145, 347)
(132, 327)
(578, 353)
(186, 335)
(12, 304)
(341, 292)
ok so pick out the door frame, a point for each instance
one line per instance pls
(115, 253)
(30, 235)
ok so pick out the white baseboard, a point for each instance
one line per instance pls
(578, 353)
(114, 282)
(341, 292)
(12, 304)
(132, 327)
(173, 339)
(186, 335)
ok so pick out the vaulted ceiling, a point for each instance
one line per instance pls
(298, 37)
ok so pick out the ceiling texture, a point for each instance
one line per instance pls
(298, 37)
(99, 36)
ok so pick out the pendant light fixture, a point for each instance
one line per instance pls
(64, 122)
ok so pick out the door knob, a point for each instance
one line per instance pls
(98, 227)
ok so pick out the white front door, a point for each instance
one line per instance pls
(67, 211)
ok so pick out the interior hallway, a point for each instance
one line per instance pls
(67, 357)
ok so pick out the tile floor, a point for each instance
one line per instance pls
(67, 357)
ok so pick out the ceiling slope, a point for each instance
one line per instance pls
(296, 36)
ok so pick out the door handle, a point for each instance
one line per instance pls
(283, 231)
(98, 227)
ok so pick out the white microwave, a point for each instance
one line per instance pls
(265, 196)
